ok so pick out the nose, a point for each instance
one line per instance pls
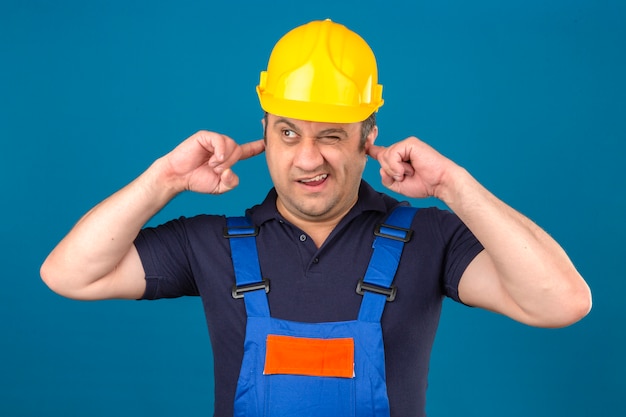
(307, 155)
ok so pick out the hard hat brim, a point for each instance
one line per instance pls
(316, 112)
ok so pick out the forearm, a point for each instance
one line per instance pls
(97, 259)
(539, 284)
(101, 239)
(522, 273)
(509, 237)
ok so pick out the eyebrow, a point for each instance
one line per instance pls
(325, 132)
(287, 122)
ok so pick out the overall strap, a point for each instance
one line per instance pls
(376, 286)
(248, 282)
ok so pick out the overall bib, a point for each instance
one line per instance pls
(334, 369)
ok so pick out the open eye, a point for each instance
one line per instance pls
(288, 135)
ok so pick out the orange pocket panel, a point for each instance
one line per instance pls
(308, 356)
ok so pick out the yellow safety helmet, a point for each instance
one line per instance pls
(321, 72)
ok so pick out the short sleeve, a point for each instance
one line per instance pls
(164, 252)
(460, 249)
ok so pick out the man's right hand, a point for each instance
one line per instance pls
(97, 259)
(202, 163)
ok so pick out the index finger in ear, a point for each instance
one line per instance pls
(375, 150)
(250, 149)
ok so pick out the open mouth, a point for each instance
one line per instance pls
(317, 180)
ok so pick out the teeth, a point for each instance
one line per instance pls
(318, 178)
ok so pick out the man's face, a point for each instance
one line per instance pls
(316, 167)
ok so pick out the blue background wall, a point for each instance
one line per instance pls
(528, 95)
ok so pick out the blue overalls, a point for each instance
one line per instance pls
(334, 369)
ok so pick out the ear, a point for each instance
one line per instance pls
(264, 124)
(371, 137)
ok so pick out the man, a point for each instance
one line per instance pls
(314, 234)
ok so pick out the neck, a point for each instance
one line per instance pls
(317, 228)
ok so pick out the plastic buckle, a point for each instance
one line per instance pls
(395, 232)
(238, 292)
(240, 231)
(390, 292)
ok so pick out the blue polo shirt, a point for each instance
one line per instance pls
(190, 256)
